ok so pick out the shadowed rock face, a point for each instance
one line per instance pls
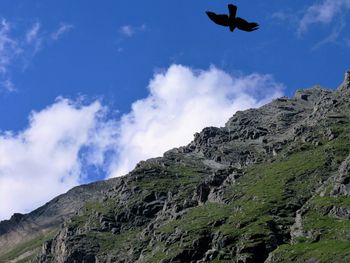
(272, 185)
(21, 228)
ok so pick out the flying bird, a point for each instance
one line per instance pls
(232, 21)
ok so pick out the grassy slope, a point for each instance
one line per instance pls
(267, 197)
(328, 237)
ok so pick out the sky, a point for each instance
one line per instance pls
(90, 88)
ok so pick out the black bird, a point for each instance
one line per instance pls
(232, 21)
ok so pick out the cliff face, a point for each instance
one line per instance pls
(273, 185)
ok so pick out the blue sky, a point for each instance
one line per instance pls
(86, 59)
(101, 57)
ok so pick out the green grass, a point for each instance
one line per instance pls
(327, 201)
(268, 182)
(87, 216)
(199, 218)
(340, 146)
(268, 189)
(104, 207)
(159, 252)
(110, 242)
(323, 251)
(171, 178)
(327, 227)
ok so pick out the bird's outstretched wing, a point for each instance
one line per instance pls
(218, 19)
(233, 10)
(246, 26)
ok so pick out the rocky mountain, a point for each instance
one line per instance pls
(273, 185)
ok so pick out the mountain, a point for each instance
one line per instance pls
(273, 185)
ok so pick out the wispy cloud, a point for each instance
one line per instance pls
(63, 28)
(9, 47)
(10, 50)
(8, 85)
(18, 48)
(322, 12)
(331, 13)
(33, 38)
(32, 33)
(333, 37)
(129, 30)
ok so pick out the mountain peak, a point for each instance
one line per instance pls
(345, 86)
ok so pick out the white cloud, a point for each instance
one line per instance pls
(182, 101)
(32, 33)
(46, 159)
(129, 30)
(65, 140)
(322, 12)
(63, 28)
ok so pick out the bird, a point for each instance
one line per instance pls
(232, 21)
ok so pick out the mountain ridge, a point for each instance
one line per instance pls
(212, 200)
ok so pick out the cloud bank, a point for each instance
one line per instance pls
(46, 159)
(67, 141)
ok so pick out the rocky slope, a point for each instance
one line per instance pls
(273, 185)
(24, 234)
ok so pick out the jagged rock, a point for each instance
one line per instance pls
(342, 184)
(345, 86)
(340, 212)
